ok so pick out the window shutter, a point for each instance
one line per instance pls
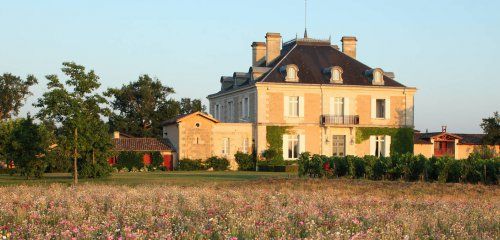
(346, 106)
(302, 143)
(387, 146)
(301, 106)
(332, 106)
(285, 106)
(374, 107)
(372, 145)
(387, 108)
(285, 146)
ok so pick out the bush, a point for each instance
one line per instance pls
(246, 162)
(217, 163)
(130, 160)
(401, 167)
(190, 165)
(100, 169)
(156, 159)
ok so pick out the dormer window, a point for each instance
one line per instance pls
(291, 73)
(376, 76)
(336, 74)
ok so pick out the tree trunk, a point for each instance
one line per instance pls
(75, 160)
(93, 156)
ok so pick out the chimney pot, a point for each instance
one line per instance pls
(349, 46)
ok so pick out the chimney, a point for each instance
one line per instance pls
(349, 46)
(258, 53)
(273, 47)
(116, 135)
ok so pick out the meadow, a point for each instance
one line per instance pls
(236, 205)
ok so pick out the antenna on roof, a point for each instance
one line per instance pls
(305, 18)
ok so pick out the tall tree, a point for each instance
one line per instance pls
(13, 93)
(140, 107)
(190, 106)
(491, 127)
(28, 146)
(76, 105)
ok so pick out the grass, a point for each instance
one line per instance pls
(177, 178)
(243, 205)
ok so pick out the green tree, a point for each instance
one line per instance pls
(491, 127)
(78, 109)
(139, 107)
(28, 146)
(6, 129)
(13, 92)
(190, 106)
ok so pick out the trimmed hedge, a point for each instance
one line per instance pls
(405, 167)
(246, 162)
(190, 165)
(217, 163)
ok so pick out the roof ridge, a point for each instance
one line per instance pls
(278, 63)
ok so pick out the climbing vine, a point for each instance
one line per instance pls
(274, 136)
(401, 138)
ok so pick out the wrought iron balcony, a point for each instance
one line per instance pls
(340, 119)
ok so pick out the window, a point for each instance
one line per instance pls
(225, 146)
(378, 77)
(293, 106)
(380, 108)
(246, 108)
(379, 146)
(217, 111)
(291, 73)
(245, 145)
(293, 147)
(230, 110)
(336, 73)
(339, 106)
(240, 107)
(338, 145)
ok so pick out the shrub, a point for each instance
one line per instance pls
(130, 160)
(273, 157)
(217, 163)
(156, 159)
(246, 162)
(99, 169)
(190, 165)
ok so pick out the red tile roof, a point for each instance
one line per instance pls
(140, 144)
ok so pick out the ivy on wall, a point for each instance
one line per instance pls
(274, 136)
(401, 138)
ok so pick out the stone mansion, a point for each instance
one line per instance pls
(319, 93)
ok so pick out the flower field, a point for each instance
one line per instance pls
(263, 209)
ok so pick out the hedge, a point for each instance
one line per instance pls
(406, 167)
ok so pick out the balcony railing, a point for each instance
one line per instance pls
(340, 120)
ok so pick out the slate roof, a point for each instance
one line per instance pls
(467, 139)
(140, 144)
(313, 57)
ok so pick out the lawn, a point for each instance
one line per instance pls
(178, 178)
(239, 205)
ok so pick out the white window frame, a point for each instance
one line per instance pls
(245, 146)
(339, 103)
(380, 113)
(336, 75)
(294, 106)
(292, 73)
(380, 145)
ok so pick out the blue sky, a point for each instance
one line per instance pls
(449, 50)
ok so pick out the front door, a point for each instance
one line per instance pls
(338, 142)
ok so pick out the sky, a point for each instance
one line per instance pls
(448, 49)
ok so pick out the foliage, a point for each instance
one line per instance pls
(156, 159)
(217, 163)
(6, 129)
(246, 162)
(401, 138)
(402, 167)
(130, 160)
(140, 107)
(13, 92)
(274, 137)
(491, 127)
(190, 165)
(99, 169)
(27, 148)
(77, 105)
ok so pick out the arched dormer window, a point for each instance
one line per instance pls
(291, 72)
(336, 75)
(376, 76)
